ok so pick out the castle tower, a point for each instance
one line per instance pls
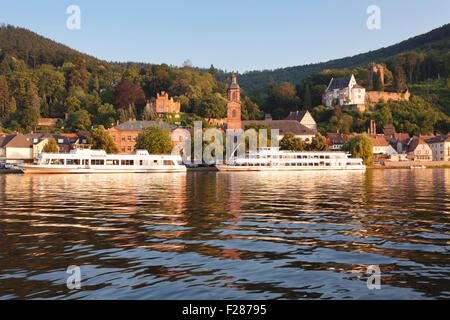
(234, 106)
(373, 68)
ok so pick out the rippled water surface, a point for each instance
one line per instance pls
(209, 235)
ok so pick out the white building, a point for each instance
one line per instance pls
(440, 147)
(345, 90)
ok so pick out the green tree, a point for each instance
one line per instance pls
(307, 100)
(399, 79)
(51, 146)
(383, 116)
(72, 104)
(30, 118)
(101, 140)
(360, 146)
(4, 98)
(214, 106)
(33, 100)
(80, 120)
(155, 139)
(377, 84)
(290, 142)
(319, 143)
(106, 115)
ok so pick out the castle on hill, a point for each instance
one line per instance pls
(347, 92)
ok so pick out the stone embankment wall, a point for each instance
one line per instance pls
(398, 164)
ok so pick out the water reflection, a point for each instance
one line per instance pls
(226, 235)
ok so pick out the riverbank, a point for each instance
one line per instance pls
(410, 166)
(202, 169)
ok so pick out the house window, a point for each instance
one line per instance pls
(129, 149)
(123, 149)
(114, 138)
(60, 141)
(129, 138)
(134, 138)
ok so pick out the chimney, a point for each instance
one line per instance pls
(373, 128)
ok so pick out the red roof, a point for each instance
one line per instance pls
(69, 135)
(379, 141)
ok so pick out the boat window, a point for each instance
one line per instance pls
(85, 162)
(112, 162)
(168, 162)
(73, 162)
(97, 162)
(127, 162)
(57, 161)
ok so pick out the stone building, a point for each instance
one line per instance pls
(373, 69)
(163, 104)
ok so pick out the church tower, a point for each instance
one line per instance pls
(234, 106)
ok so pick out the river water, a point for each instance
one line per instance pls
(211, 235)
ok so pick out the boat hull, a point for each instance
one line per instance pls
(288, 168)
(35, 169)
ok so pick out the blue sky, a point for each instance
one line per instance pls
(233, 35)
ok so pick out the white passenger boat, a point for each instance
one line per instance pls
(273, 159)
(97, 161)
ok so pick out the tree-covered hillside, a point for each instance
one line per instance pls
(42, 78)
(436, 41)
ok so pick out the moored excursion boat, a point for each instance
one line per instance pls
(273, 159)
(98, 161)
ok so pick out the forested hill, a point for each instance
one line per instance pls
(35, 49)
(437, 41)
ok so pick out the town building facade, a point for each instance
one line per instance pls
(304, 117)
(15, 148)
(125, 134)
(440, 147)
(419, 150)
